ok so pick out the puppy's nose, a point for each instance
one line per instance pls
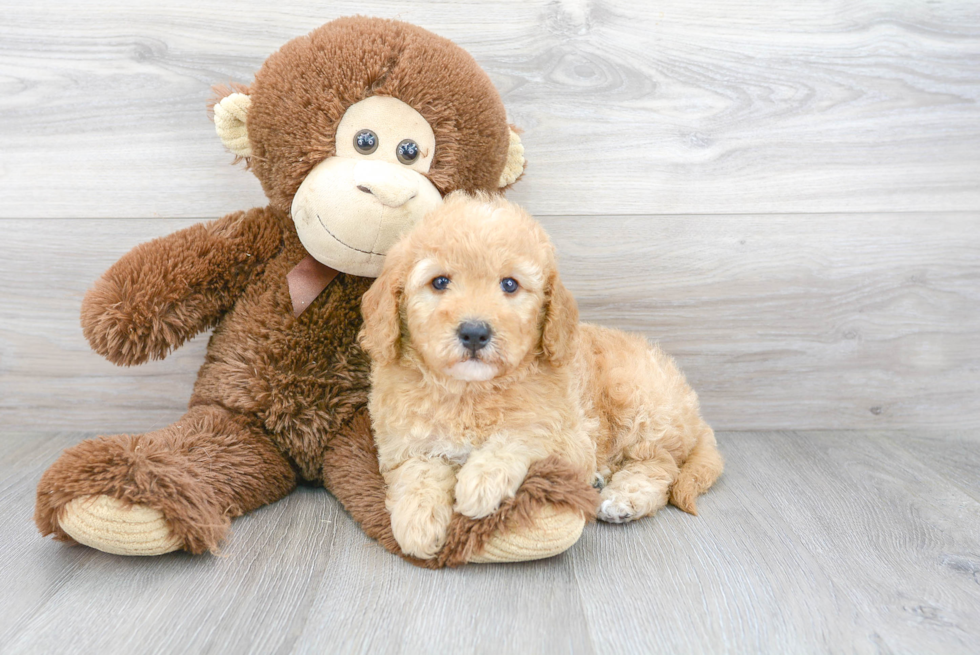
(474, 336)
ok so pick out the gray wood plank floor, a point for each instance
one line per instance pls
(811, 542)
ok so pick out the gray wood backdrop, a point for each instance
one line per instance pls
(786, 195)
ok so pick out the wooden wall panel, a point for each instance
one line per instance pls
(784, 194)
(629, 107)
(780, 322)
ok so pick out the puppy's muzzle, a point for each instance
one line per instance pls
(474, 336)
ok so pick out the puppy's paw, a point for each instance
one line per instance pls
(481, 486)
(616, 511)
(630, 496)
(420, 528)
(621, 506)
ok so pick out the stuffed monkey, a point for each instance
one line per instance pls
(355, 131)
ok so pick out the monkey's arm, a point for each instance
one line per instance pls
(163, 292)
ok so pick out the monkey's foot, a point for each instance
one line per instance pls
(553, 532)
(116, 527)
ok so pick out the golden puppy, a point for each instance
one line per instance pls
(480, 367)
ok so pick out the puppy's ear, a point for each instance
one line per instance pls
(380, 308)
(560, 323)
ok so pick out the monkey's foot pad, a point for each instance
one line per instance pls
(553, 532)
(112, 526)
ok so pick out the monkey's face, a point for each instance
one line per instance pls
(373, 95)
(352, 207)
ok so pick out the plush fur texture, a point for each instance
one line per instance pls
(208, 467)
(293, 118)
(282, 398)
(460, 429)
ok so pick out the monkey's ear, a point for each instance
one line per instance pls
(515, 161)
(230, 115)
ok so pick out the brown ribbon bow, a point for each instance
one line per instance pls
(306, 281)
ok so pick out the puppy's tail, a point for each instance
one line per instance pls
(702, 467)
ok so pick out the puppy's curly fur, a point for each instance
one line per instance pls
(458, 423)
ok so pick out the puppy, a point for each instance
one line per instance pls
(480, 367)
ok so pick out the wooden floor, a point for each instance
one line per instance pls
(858, 542)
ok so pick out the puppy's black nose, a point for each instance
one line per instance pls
(474, 336)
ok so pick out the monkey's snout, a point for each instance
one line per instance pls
(390, 185)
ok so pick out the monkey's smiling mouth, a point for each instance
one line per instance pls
(337, 239)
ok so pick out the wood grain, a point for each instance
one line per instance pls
(810, 542)
(784, 194)
(815, 543)
(790, 322)
(629, 107)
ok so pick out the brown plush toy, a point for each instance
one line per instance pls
(355, 131)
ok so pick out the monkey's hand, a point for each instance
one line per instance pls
(165, 291)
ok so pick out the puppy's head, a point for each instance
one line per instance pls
(472, 292)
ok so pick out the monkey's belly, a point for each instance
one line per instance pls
(302, 379)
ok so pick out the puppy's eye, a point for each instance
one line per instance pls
(365, 142)
(407, 152)
(509, 285)
(440, 283)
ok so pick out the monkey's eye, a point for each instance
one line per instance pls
(509, 285)
(440, 283)
(365, 142)
(407, 151)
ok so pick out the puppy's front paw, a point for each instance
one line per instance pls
(420, 528)
(481, 486)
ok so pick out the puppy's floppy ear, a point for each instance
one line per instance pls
(560, 323)
(380, 308)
